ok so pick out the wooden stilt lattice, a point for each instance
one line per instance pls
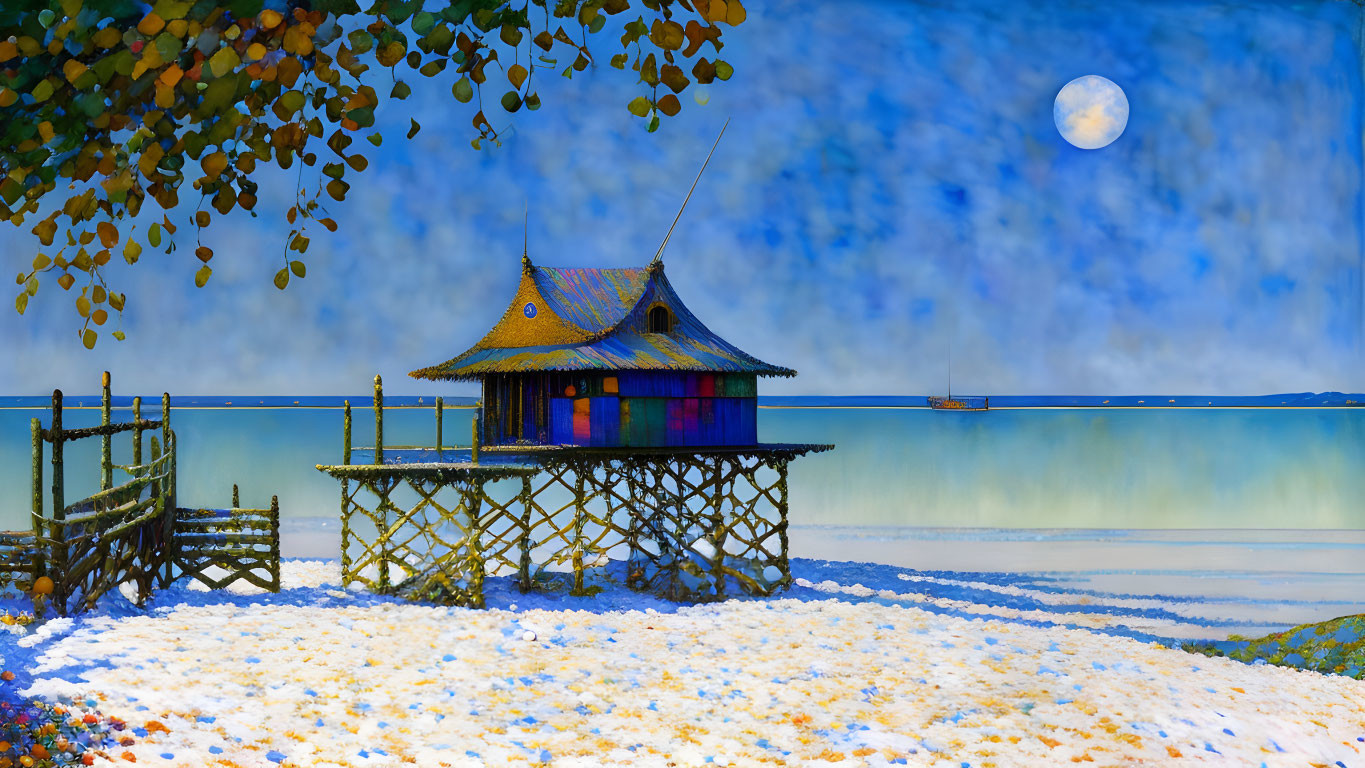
(696, 526)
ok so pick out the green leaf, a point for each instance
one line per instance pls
(360, 40)
(639, 106)
(298, 268)
(414, 128)
(42, 91)
(533, 102)
(292, 101)
(423, 23)
(119, 335)
(282, 279)
(723, 70)
(154, 236)
(363, 117)
(511, 101)
(375, 139)
(202, 276)
(463, 90)
(654, 123)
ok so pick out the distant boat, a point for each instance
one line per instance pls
(959, 403)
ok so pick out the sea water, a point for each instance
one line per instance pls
(1218, 501)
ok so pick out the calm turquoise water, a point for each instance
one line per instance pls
(1026, 468)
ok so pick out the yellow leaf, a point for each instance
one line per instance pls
(391, 54)
(517, 75)
(8, 97)
(83, 306)
(40, 261)
(223, 62)
(8, 50)
(73, 69)
(89, 339)
(131, 251)
(270, 19)
(734, 13)
(150, 25)
(255, 52)
(297, 40)
(99, 317)
(165, 96)
(213, 164)
(45, 130)
(107, 37)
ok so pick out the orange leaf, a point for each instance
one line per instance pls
(171, 75)
(150, 24)
(108, 234)
(73, 69)
(213, 164)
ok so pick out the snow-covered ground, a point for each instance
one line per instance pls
(859, 665)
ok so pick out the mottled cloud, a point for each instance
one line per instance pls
(892, 190)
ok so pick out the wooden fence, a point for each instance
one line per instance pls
(129, 532)
(220, 546)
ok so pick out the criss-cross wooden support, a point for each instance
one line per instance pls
(463, 524)
(692, 526)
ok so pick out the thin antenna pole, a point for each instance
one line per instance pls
(658, 256)
(525, 226)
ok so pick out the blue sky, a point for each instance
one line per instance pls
(891, 186)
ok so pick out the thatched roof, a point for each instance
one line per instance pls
(596, 319)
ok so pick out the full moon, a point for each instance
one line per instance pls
(1090, 112)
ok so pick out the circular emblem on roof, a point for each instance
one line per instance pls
(529, 310)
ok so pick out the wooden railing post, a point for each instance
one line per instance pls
(440, 408)
(137, 431)
(346, 496)
(166, 443)
(236, 497)
(57, 531)
(346, 434)
(106, 440)
(39, 562)
(474, 438)
(378, 420)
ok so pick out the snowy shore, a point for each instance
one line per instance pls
(857, 665)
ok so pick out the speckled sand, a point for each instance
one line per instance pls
(827, 682)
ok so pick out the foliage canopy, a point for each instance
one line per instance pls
(120, 101)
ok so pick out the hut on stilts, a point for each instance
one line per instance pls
(624, 428)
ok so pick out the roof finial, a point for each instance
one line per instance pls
(658, 256)
(525, 235)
